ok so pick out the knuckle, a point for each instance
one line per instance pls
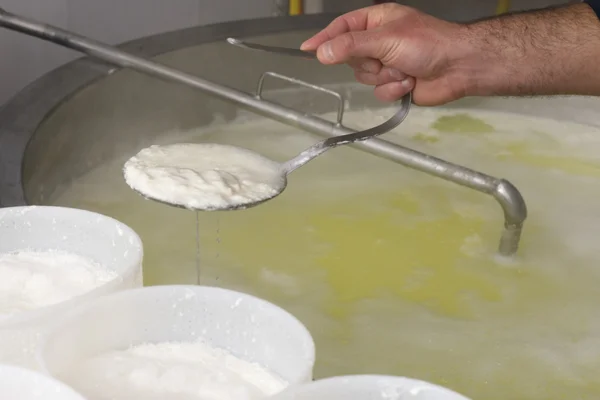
(382, 80)
(371, 65)
(393, 74)
(389, 7)
(387, 11)
(340, 22)
(409, 11)
(365, 78)
(390, 91)
(348, 42)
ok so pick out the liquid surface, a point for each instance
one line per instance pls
(31, 280)
(393, 271)
(174, 371)
(204, 176)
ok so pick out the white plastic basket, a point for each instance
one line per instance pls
(91, 235)
(248, 327)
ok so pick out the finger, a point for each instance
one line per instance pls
(394, 90)
(366, 65)
(354, 20)
(357, 20)
(386, 75)
(365, 44)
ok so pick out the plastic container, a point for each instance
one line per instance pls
(250, 328)
(368, 387)
(94, 236)
(18, 383)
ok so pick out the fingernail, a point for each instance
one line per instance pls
(327, 52)
(304, 46)
(407, 82)
(369, 67)
(394, 73)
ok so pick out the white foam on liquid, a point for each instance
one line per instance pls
(538, 339)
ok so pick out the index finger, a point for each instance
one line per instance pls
(357, 20)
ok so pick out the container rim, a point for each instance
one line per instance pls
(25, 317)
(304, 333)
(369, 380)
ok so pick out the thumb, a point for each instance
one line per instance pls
(361, 44)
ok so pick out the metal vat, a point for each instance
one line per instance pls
(85, 114)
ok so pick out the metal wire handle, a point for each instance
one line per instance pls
(272, 49)
(338, 96)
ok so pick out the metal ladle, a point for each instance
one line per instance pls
(330, 143)
(121, 58)
(304, 157)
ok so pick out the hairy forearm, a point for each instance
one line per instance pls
(545, 52)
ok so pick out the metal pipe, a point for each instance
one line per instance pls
(509, 198)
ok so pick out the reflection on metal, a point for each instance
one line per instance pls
(504, 192)
(339, 98)
(272, 49)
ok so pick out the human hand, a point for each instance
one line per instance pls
(396, 49)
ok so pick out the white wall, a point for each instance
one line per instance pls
(23, 59)
(451, 9)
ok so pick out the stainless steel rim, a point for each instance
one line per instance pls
(21, 116)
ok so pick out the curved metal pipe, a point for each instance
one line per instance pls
(515, 213)
(505, 193)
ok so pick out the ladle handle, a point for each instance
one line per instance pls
(332, 142)
(272, 49)
(123, 59)
(63, 38)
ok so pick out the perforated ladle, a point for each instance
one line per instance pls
(121, 58)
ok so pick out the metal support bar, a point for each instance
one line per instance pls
(509, 198)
